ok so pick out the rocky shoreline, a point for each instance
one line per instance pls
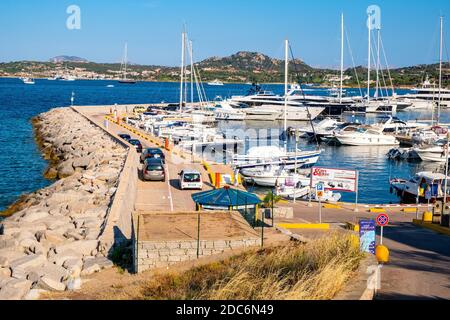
(51, 240)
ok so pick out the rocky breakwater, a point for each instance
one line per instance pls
(53, 239)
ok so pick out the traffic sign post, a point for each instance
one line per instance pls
(319, 194)
(382, 221)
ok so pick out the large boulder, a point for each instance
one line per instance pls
(15, 289)
(34, 215)
(47, 283)
(29, 261)
(65, 169)
(85, 247)
(82, 162)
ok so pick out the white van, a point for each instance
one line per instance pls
(190, 179)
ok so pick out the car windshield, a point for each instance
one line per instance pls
(191, 177)
(134, 142)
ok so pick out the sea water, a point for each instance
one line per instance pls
(22, 166)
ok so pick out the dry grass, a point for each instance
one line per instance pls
(315, 271)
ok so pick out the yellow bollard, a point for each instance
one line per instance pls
(427, 217)
(382, 254)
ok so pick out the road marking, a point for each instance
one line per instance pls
(170, 191)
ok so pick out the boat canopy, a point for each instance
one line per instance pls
(431, 176)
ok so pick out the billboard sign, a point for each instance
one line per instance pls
(335, 179)
(367, 236)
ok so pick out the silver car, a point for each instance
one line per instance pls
(153, 170)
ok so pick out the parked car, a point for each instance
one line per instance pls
(190, 179)
(137, 144)
(152, 153)
(125, 136)
(139, 109)
(153, 170)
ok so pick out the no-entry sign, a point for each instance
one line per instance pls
(382, 220)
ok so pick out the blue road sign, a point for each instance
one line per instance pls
(367, 236)
(320, 187)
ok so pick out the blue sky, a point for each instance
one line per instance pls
(36, 30)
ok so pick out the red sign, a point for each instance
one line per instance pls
(335, 179)
(382, 220)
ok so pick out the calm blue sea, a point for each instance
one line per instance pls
(21, 165)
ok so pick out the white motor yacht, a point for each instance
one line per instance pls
(28, 80)
(264, 156)
(215, 83)
(365, 136)
(224, 110)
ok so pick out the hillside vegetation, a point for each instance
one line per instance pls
(240, 67)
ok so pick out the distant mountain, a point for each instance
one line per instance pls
(250, 61)
(59, 59)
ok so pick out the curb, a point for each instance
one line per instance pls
(433, 227)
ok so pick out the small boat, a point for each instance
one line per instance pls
(67, 78)
(365, 136)
(28, 80)
(403, 154)
(273, 176)
(415, 189)
(434, 153)
(215, 83)
(110, 86)
(305, 192)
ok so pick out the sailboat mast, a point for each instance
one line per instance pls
(182, 69)
(440, 72)
(286, 75)
(368, 61)
(342, 57)
(378, 63)
(192, 70)
(126, 61)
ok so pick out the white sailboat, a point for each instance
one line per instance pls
(123, 68)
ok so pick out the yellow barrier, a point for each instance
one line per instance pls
(409, 210)
(320, 226)
(332, 206)
(427, 217)
(377, 210)
(352, 226)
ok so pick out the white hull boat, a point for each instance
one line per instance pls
(363, 136)
(261, 157)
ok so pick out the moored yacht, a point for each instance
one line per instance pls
(365, 136)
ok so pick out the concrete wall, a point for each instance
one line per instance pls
(157, 254)
(118, 224)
